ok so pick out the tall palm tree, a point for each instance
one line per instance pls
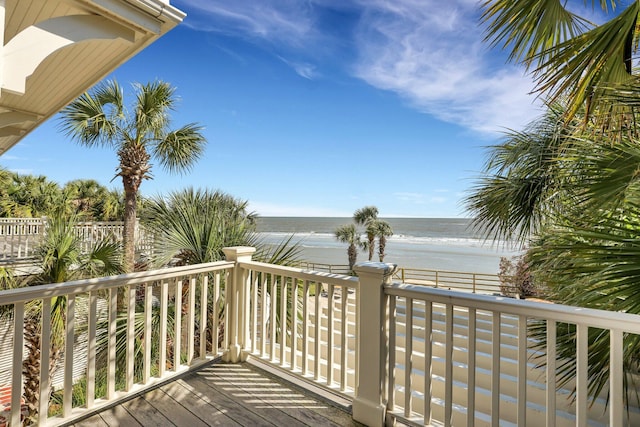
(349, 234)
(366, 216)
(568, 55)
(101, 119)
(383, 230)
(61, 260)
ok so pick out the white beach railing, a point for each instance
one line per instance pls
(140, 308)
(304, 322)
(399, 352)
(486, 369)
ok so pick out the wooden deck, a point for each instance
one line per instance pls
(224, 395)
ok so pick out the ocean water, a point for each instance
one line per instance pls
(446, 244)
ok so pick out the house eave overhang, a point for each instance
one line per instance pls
(54, 50)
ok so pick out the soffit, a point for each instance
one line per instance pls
(86, 39)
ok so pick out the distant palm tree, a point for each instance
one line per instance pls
(111, 207)
(100, 119)
(34, 196)
(349, 234)
(365, 216)
(85, 195)
(383, 230)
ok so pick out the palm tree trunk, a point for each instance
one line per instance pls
(31, 365)
(382, 245)
(128, 236)
(352, 254)
(134, 167)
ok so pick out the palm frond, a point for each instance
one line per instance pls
(154, 101)
(580, 68)
(194, 225)
(93, 119)
(178, 150)
(530, 28)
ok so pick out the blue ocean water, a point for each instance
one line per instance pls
(446, 244)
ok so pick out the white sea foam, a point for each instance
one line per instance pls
(442, 244)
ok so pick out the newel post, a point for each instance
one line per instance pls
(369, 405)
(237, 304)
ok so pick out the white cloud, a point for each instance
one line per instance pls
(284, 21)
(429, 52)
(22, 171)
(421, 199)
(415, 198)
(432, 54)
(303, 69)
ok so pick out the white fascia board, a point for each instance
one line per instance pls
(146, 15)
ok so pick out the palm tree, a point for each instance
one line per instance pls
(34, 196)
(586, 207)
(592, 261)
(525, 179)
(583, 247)
(85, 195)
(568, 55)
(365, 216)
(100, 119)
(61, 260)
(349, 234)
(193, 226)
(111, 207)
(383, 230)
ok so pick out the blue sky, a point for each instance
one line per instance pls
(320, 107)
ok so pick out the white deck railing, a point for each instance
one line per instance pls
(400, 352)
(139, 309)
(19, 237)
(303, 321)
(484, 368)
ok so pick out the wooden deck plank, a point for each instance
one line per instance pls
(95, 421)
(267, 392)
(338, 409)
(145, 413)
(198, 404)
(117, 416)
(233, 408)
(225, 395)
(173, 410)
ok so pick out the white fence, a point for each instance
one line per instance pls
(19, 237)
(486, 368)
(401, 352)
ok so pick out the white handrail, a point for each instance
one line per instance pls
(84, 325)
(400, 350)
(296, 318)
(500, 326)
